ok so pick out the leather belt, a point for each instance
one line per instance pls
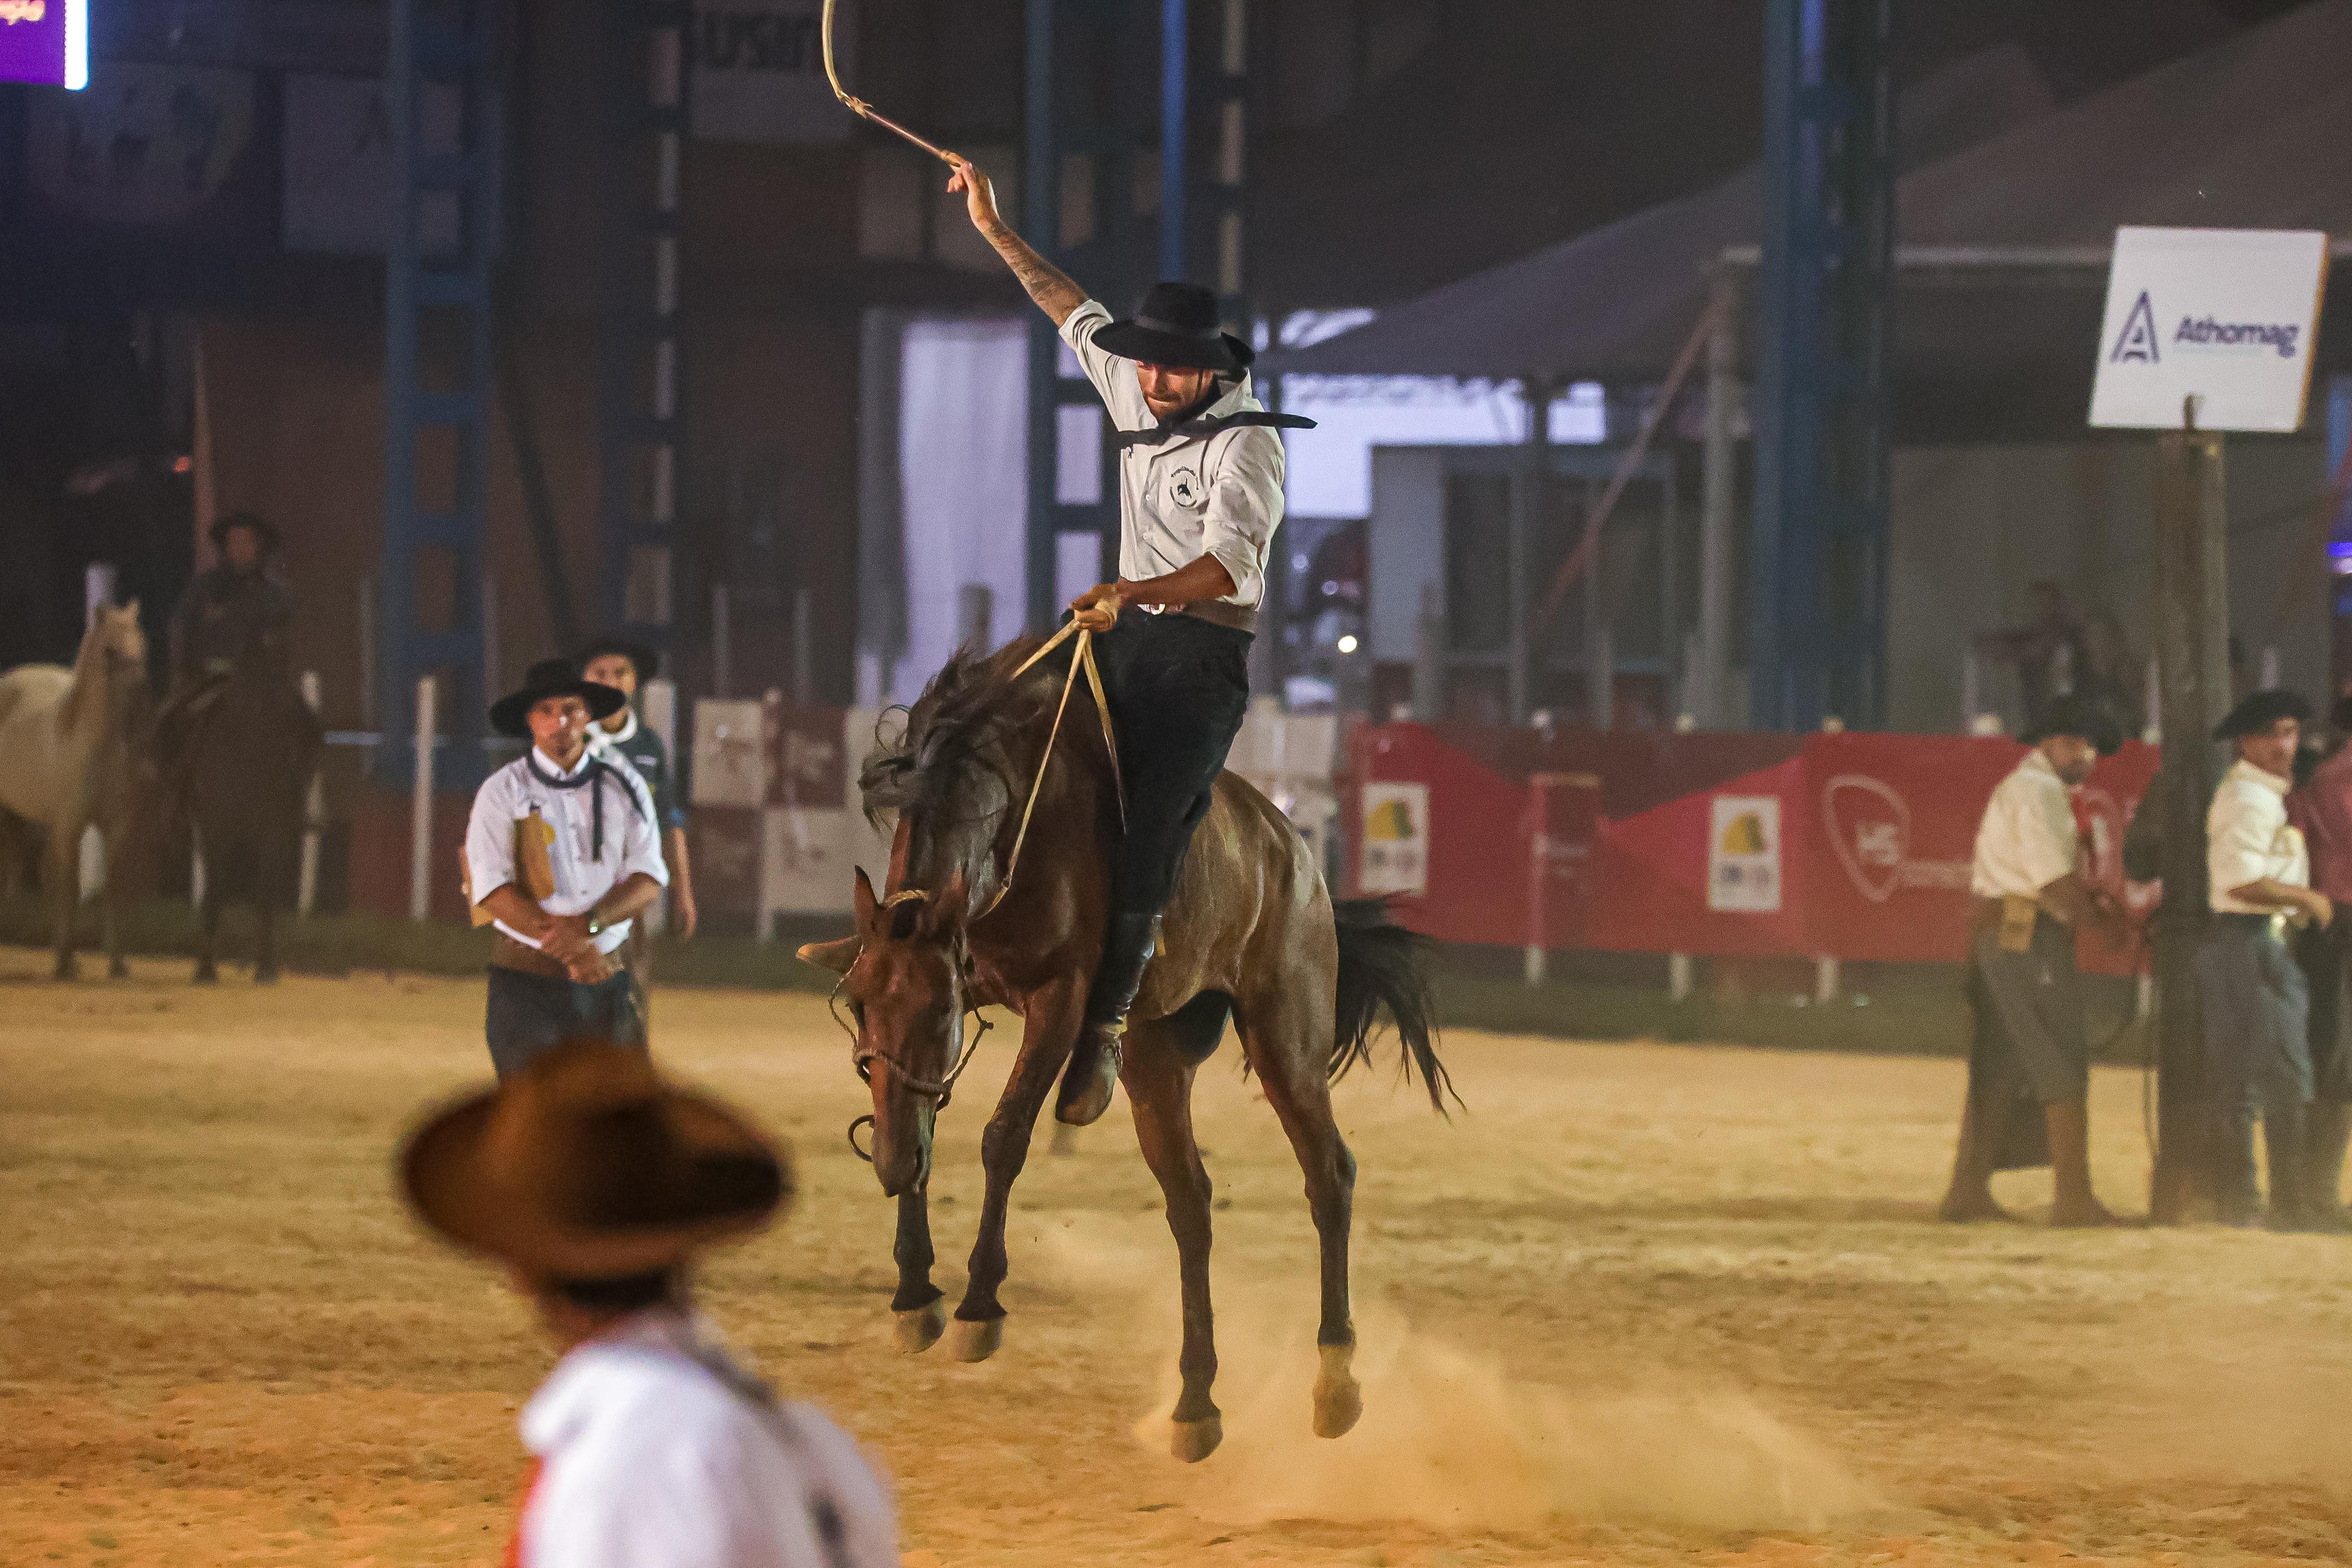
(1216, 613)
(523, 958)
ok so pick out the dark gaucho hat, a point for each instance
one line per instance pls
(2259, 711)
(551, 678)
(2084, 719)
(1177, 325)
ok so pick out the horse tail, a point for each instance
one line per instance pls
(1381, 965)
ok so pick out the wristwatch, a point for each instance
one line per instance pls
(596, 925)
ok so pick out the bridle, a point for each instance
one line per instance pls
(861, 1056)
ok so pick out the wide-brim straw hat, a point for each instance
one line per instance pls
(587, 1166)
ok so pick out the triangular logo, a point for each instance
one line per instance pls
(2136, 344)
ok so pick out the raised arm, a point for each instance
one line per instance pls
(1048, 285)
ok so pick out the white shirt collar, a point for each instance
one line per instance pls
(621, 737)
(2245, 772)
(2038, 761)
(567, 1399)
(547, 764)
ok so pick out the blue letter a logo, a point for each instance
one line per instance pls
(2137, 342)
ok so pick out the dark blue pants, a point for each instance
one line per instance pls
(1179, 689)
(530, 1014)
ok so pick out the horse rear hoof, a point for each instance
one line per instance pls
(1338, 1398)
(918, 1329)
(206, 975)
(116, 970)
(67, 969)
(1193, 1441)
(976, 1341)
(265, 977)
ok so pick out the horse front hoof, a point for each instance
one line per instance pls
(1193, 1441)
(206, 975)
(67, 969)
(266, 976)
(1338, 1398)
(116, 970)
(917, 1330)
(976, 1341)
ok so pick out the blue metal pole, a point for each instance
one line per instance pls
(1175, 45)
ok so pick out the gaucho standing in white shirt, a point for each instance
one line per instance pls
(561, 850)
(595, 1183)
(2029, 1060)
(2256, 1002)
(1200, 489)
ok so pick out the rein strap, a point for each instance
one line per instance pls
(1081, 658)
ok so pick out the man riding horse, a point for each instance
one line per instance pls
(1200, 470)
(237, 610)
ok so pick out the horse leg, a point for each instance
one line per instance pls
(1289, 1049)
(921, 1316)
(109, 908)
(61, 867)
(1048, 1031)
(208, 931)
(265, 966)
(1159, 1087)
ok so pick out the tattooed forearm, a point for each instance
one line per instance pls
(1048, 285)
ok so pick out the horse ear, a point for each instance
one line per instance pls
(131, 610)
(864, 901)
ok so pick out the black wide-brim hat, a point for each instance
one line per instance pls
(586, 1166)
(642, 659)
(553, 678)
(2259, 711)
(2085, 720)
(265, 532)
(1177, 325)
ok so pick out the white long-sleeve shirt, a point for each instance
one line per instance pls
(648, 1460)
(1187, 497)
(2248, 838)
(533, 783)
(2028, 839)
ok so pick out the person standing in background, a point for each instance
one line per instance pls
(2320, 807)
(624, 666)
(2255, 1002)
(2029, 1060)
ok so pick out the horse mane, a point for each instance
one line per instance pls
(90, 660)
(949, 764)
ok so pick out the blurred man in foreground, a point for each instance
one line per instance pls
(596, 1183)
(2256, 1004)
(2029, 1062)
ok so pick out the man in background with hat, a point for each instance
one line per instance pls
(1200, 470)
(236, 609)
(2029, 1062)
(2320, 807)
(596, 1184)
(622, 665)
(2255, 1001)
(562, 853)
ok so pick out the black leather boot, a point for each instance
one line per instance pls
(2237, 1198)
(1093, 1071)
(2326, 1138)
(2285, 1152)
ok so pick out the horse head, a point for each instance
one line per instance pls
(905, 990)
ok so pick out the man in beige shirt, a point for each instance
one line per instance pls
(2029, 1060)
(2256, 1003)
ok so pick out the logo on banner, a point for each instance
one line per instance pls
(1869, 828)
(2138, 346)
(1396, 839)
(1743, 855)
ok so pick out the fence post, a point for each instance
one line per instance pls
(97, 589)
(314, 813)
(420, 814)
(722, 638)
(1825, 980)
(1679, 977)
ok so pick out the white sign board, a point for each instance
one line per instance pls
(1395, 840)
(1743, 854)
(759, 71)
(730, 753)
(2225, 315)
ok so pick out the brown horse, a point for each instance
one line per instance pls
(1252, 934)
(252, 749)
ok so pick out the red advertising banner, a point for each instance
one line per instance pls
(1856, 847)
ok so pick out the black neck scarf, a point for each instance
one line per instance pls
(591, 779)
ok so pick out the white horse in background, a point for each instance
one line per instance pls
(70, 757)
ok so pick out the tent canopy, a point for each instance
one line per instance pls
(2247, 134)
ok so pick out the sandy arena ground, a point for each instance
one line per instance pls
(1636, 1305)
